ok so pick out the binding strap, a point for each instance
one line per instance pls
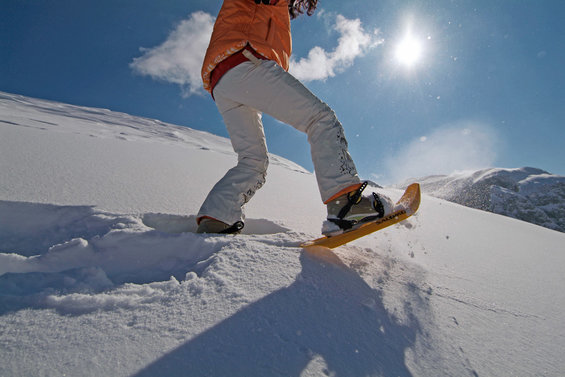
(352, 199)
(235, 228)
(343, 224)
(378, 204)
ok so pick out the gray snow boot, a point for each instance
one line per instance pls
(209, 225)
(353, 208)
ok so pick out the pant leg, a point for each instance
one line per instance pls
(269, 89)
(226, 199)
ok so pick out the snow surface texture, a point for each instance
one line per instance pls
(527, 194)
(101, 275)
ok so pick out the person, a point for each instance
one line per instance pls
(245, 69)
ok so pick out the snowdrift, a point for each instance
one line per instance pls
(101, 273)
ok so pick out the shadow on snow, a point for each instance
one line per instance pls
(328, 312)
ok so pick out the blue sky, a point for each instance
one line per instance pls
(481, 84)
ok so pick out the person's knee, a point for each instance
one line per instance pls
(258, 164)
(322, 119)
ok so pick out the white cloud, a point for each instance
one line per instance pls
(352, 43)
(179, 59)
(464, 146)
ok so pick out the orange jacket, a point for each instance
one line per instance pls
(240, 22)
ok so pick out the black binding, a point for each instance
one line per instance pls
(378, 204)
(235, 228)
(352, 199)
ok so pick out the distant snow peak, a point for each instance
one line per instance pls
(529, 194)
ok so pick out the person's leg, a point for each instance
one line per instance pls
(226, 199)
(268, 88)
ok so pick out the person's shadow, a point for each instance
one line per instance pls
(328, 312)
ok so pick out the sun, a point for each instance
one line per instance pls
(408, 51)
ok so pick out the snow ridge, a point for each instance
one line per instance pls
(17, 110)
(528, 194)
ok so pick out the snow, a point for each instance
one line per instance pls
(101, 273)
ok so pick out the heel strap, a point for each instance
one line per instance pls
(352, 198)
(235, 228)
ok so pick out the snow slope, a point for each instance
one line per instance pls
(528, 194)
(101, 275)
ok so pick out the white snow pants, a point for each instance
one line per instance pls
(261, 86)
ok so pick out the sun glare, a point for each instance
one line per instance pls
(408, 51)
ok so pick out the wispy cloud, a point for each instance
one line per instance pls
(464, 146)
(179, 59)
(353, 42)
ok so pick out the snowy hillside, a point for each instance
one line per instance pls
(101, 275)
(528, 194)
